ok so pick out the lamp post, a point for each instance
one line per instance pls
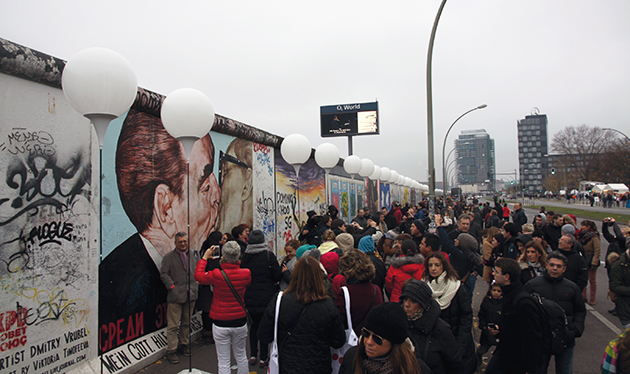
(327, 157)
(187, 115)
(430, 107)
(296, 149)
(444, 179)
(101, 85)
(610, 129)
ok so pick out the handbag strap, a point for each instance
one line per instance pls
(275, 323)
(236, 295)
(346, 295)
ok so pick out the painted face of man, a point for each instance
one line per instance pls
(204, 191)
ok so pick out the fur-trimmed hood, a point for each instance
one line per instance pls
(406, 260)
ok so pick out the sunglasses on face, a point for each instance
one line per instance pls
(367, 333)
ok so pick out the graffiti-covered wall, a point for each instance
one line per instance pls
(69, 302)
(48, 231)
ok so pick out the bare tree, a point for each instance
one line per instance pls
(583, 149)
(615, 162)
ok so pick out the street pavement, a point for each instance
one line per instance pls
(600, 327)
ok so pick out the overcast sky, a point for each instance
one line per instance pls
(272, 64)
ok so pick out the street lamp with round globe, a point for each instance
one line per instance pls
(376, 174)
(187, 115)
(367, 167)
(386, 173)
(352, 165)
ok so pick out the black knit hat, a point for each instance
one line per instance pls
(419, 292)
(389, 321)
(256, 237)
(419, 226)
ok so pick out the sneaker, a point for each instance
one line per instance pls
(172, 358)
(263, 364)
(252, 361)
(185, 350)
(592, 303)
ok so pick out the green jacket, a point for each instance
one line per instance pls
(620, 284)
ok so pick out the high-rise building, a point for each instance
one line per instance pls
(475, 158)
(532, 149)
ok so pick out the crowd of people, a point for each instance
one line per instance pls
(402, 281)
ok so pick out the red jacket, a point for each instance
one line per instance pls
(401, 269)
(225, 307)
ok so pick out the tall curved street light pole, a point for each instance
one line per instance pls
(444, 179)
(608, 128)
(430, 107)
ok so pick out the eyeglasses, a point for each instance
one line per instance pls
(227, 157)
(367, 333)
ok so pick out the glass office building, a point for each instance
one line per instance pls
(532, 149)
(475, 158)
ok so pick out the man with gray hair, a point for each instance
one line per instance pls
(175, 273)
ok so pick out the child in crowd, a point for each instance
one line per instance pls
(489, 318)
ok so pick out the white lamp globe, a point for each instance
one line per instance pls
(327, 155)
(385, 174)
(100, 84)
(352, 164)
(367, 167)
(295, 149)
(187, 115)
(393, 177)
(376, 174)
(401, 180)
(408, 182)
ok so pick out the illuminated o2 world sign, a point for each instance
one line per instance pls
(349, 119)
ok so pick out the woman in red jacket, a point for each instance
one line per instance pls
(229, 326)
(408, 265)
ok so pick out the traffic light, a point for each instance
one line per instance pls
(553, 171)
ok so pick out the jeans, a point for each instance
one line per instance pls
(564, 362)
(174, 314)
(237, 338)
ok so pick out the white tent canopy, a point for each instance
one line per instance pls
(599, 188)
(617, 188)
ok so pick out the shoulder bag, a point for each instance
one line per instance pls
(237, 296)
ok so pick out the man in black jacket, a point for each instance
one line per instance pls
(553, 231)
(518, 216)
(554, 286)
(576, 269)
(520, 333)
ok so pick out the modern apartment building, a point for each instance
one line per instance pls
(475, 158)
(532, 149)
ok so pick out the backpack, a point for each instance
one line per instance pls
(553, 322)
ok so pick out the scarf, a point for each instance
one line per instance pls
(536, 268)
(184, 256)
(585, 237)
(444, 290)
(416, 316)
(378, 365)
